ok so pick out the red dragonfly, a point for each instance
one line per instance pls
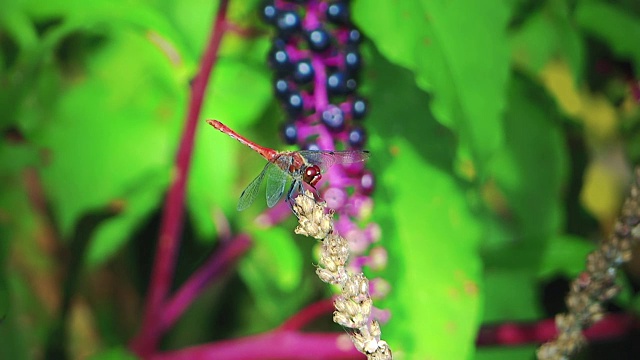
(299, 166)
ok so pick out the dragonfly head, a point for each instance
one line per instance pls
(312, 175)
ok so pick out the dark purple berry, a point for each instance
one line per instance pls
(279, 59)
(294, 104)
(351, 85)
(337, 83)
(338, 13)
(357, 137)
(311, 145)
(358, 108)
(319, 40)
(287, 22)
(367, 183)
(333, 118)
(281, 88)
(352, 60)
(354, 37)
(303, 72)
(269, 12)
(290, 133)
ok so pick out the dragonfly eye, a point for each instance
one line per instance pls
(312, 175)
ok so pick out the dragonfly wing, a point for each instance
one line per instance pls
(251, 192)
(276, 181)
(326, 159)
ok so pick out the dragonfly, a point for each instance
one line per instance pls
(302, 167)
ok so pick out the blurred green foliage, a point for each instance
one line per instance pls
(502, 135)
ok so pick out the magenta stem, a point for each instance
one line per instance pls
(147, 339)
(610, 327)
(307, 315)
(218, 263)
(282, 345)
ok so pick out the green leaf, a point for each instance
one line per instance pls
(547, 34)
(278, 254)
(613, 25)
(458, 52)
(506, 353)
(428, 228)
(114, 353)
(78, 15)
(15, 22)
(23, 258)
(18, 301)
(273, 271)
(565, 255)
(193, 19)
(530, 171)
(213, 179)
(110, 138)
(435, 240)
(510, 296)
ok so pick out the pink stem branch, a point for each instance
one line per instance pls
(281, 345)
(612, 326)
(171, 225)
(307, 315)
(215, 265)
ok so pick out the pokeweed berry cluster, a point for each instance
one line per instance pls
(316, 61)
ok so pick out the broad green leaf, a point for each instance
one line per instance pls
(15, 23)
(193, 19)
(213, 182)
(24, 265)
(230, 99)
(111, 138)
(436, 297)
(403, 112)
(510, 295)
(459, 54)
(16, 65)
(506, 353)
(273, 271)
(530, 171)
(565, 255)
(114, 353)
(20, 338)
(276, 251)
(427, 226)
(16, 224)
(547, 34)
(620, 29)
(79, 15)
(212, 178)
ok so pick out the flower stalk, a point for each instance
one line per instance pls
(354, 305)
(596, 284)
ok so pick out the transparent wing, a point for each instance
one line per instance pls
(249, 194)
(325, 159)
(276, 181)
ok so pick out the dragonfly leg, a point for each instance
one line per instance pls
(316, 194)
(290, 199)
(298, 187)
